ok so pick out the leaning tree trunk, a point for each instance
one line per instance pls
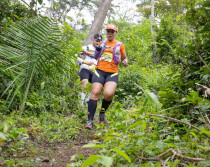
(98, 19)
(155, 60)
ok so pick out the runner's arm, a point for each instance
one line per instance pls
(79, 60)
(124, 60)
(123, 56)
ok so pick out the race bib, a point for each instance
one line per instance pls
(106, 57)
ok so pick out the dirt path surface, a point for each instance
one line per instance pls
(60, 153)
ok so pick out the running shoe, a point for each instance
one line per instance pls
(102, 119)
(89, 125)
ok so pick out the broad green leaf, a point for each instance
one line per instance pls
(178, 18)
(73, 157)
(124, 155)
(40, 1)
(15, 134)
(204, 163)
(150, 98)
(90, 160)
(42, 85)
(144, 125)
(5, 127)
(153, 99)
(194, 134)
(22, 130)
(172, 145)
(177, 137)
(145, 102)
(135, 124)
(206, 148)
(92, 145)
(107, 161)
(2, 138)
(81, 156)
(207, 132)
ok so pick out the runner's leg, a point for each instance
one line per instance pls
(109, 90)
(92, 104)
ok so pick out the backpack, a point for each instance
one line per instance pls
(116, 52)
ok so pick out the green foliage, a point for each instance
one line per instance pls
(28, 135)
(55, 92)
(181, 40)
(161, 7)
(32, 46)
(89, 161)
(12, 11)
(137, 40)
(144, 90)
(152, 99)
(101, 159)
(197, 17)
(131, 133)
(127, 88)
(122, 154)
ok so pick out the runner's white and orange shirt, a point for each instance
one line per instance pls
(106, 62)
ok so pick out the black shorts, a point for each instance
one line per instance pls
(86, 74)
(103, 77)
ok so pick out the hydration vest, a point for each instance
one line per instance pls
(116, 52)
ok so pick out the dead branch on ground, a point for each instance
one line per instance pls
(175, 154)
(176, 120)
(205, 88)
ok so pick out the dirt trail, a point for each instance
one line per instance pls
(61, 153)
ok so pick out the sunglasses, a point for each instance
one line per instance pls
(110, 31)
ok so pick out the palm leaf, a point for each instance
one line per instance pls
(28, 49)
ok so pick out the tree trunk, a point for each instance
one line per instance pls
(98, 19)
(155, 60)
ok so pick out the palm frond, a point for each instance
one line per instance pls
(29, 47)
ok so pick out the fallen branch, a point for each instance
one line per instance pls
(175, 120)
(206, 89)
(175, 154)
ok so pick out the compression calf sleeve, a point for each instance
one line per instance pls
(105, 105)
(92, 104)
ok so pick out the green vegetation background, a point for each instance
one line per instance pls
(39, 89)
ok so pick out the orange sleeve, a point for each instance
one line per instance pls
(122, 49)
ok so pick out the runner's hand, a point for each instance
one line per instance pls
(125, 62)
(80, 54)
(88, 62)
(92, 68)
